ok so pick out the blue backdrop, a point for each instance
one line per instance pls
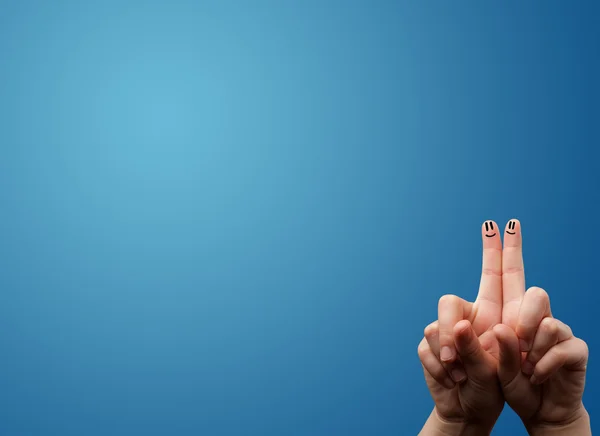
(235, 218)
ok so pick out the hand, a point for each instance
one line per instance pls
(459, 352)
(542, 365)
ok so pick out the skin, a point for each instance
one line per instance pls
(504, 346)
(459, 353)
(542, 364)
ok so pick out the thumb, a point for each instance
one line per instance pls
(509, 365)
(474, 358)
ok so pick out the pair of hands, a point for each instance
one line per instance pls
(506, 346)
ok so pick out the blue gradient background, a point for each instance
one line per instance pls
(235, 218)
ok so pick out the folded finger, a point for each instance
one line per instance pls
(549, 333)
(432, 336)
(489, 343)
(451, 309)
(474, 359)
(571, 354)
(534, 308)
(509, 364)
(433, 366)
(454, 369)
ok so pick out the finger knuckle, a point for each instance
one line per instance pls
(538, 293)
(559, 354)
(431, 330)
(448, 300)
(585, 349)
(568, 330)
(549, 326)
(422, 349)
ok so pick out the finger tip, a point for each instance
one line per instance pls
(498, 329)
(535, 380)
(512, 233)
(513, 224)
(431, 330)
(490, 234)
(458, 375)
(462, 327)
(540, 295)
(502, 332)
(527, 367)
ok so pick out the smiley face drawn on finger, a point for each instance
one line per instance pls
(511, 226)
(489, 226)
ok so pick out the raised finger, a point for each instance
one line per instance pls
(489, 297)
(513, 273)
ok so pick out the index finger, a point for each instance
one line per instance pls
(513, 273)
(489, 298)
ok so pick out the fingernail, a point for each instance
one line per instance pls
(534, 380)
(527, 367)
(458, 375)
(446, 354)
(523, 345)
